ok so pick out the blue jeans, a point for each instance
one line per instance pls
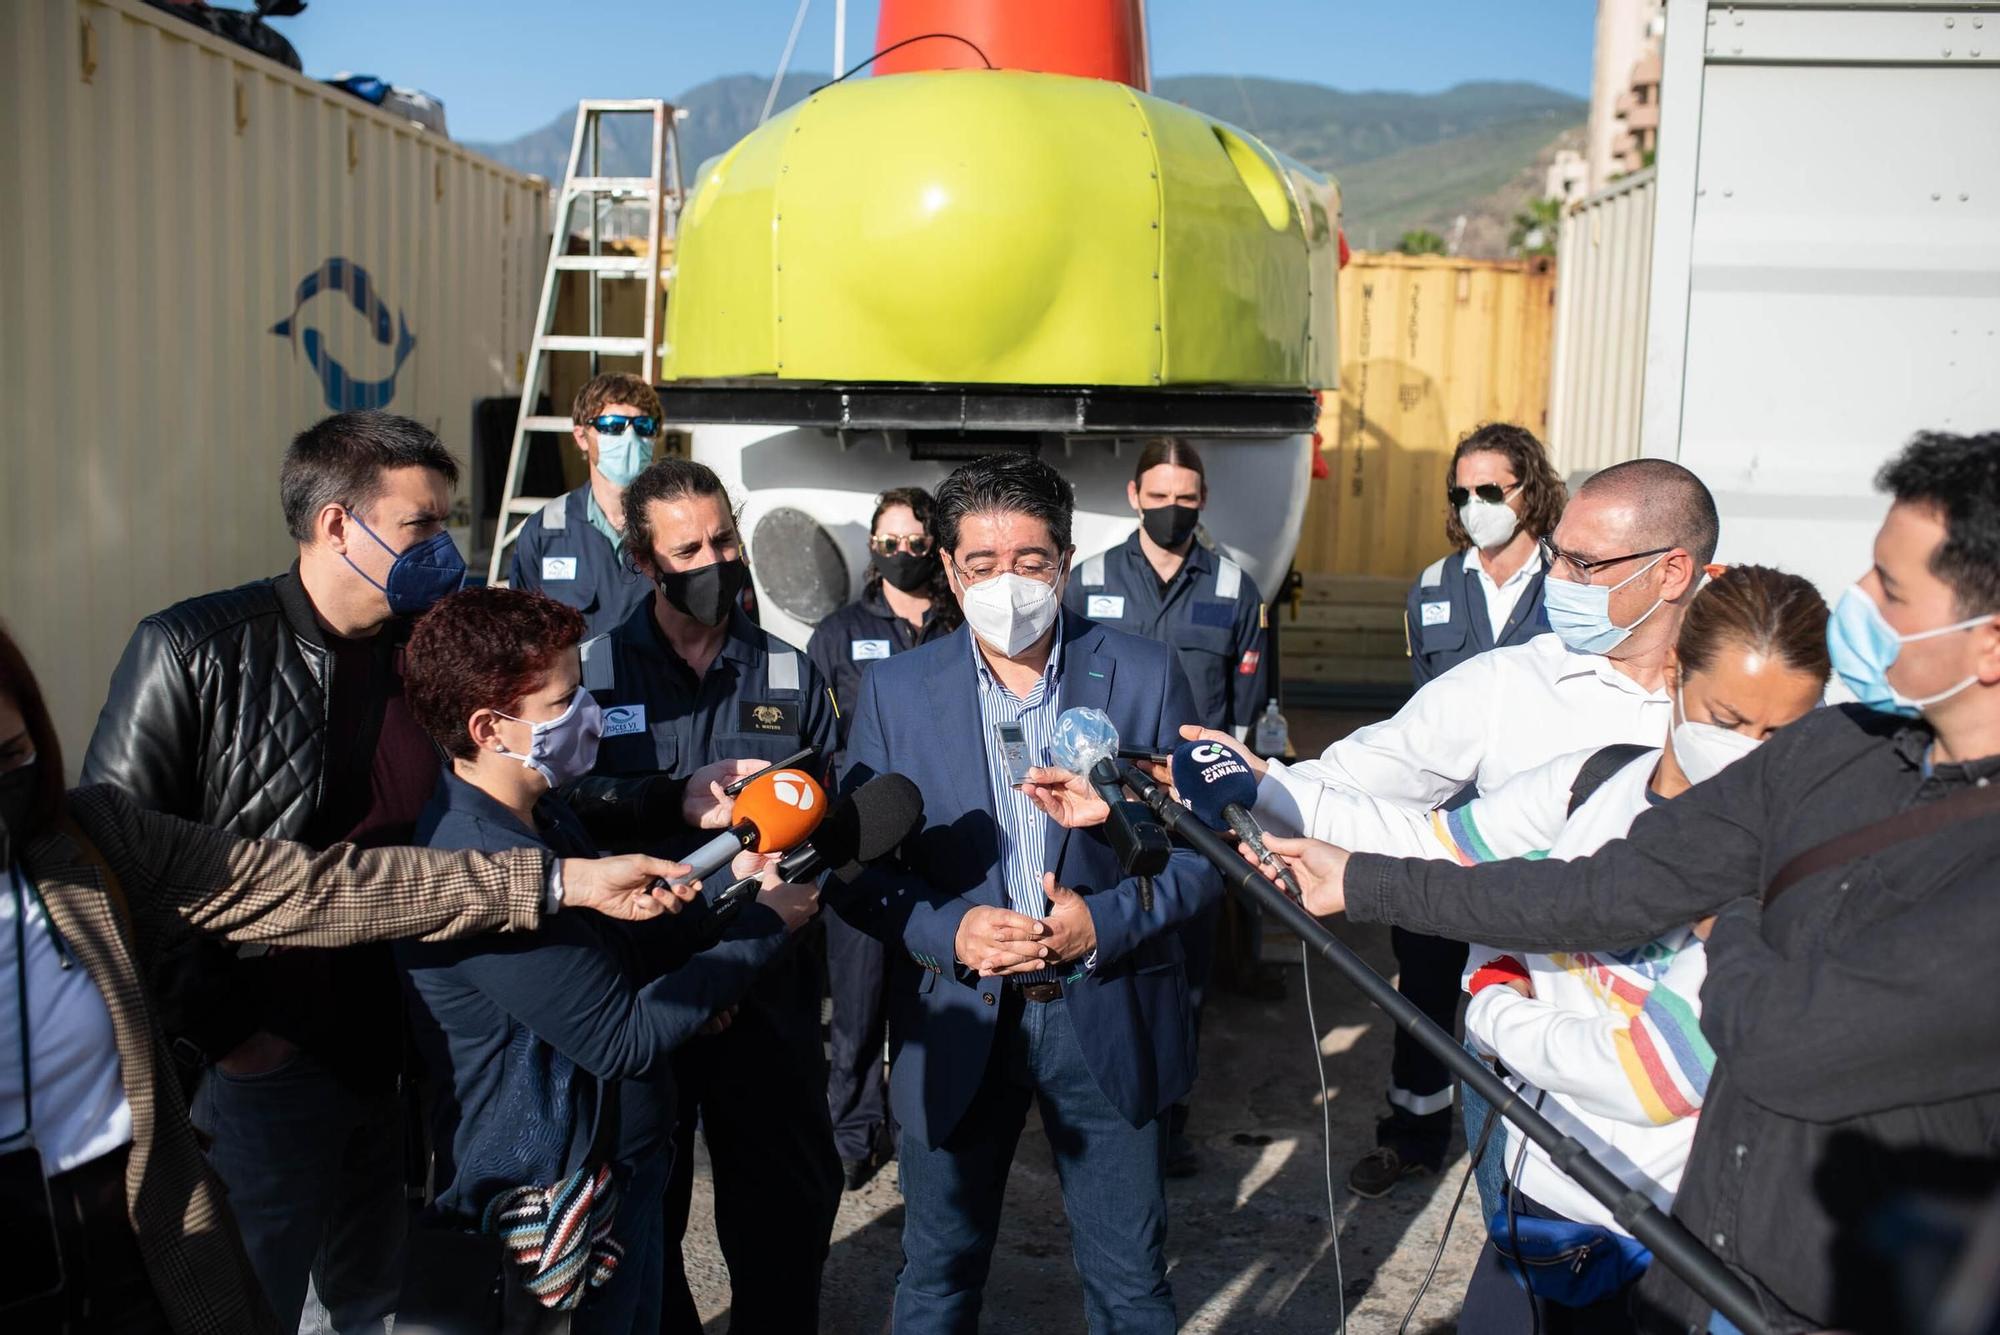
(1112, 1183)
(315, 1178)
(629, 1303)
(1491, 1172)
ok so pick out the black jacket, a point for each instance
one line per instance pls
(847, 641)
(217, 714)
(1854, 1024)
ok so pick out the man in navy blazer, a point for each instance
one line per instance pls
(1043, 977)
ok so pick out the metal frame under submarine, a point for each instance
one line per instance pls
(904, 271)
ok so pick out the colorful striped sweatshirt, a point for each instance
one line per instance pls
(1612, 1037)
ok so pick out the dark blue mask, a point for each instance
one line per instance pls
(420, 576)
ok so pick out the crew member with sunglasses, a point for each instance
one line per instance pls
(1623, 565)
(1503, 498)
(573, 548)
(904, 602)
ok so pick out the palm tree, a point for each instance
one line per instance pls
(1421, 242)
(1535, 227)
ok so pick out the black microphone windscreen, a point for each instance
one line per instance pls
(1211, 776)
(869, 822)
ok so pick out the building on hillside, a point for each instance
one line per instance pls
(1568, 176)
(1624, 88)
(1638, 112)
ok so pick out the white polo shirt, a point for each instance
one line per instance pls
(1493, 716)
(1501, 599)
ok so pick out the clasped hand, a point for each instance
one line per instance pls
(994, 942)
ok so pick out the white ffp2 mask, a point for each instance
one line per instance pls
(1704, 750)
(1010, 611)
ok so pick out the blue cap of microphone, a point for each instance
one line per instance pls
(1211, 776)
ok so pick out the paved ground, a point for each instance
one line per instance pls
(1249, 1247)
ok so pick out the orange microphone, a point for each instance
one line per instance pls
(776, 812)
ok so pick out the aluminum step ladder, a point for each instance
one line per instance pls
(659, 193)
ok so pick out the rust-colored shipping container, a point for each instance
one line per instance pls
(1430, 347)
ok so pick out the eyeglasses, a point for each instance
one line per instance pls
(615, 423)
(1490, 492)
(1028, 567)
(1551, 554)
(888, 544)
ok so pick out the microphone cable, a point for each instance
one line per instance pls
(1325, 1137)
(1437, 1257)
(1514, 1235)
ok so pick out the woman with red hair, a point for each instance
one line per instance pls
(552, 1094)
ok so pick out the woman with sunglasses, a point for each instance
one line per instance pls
(904, 603)
(573, 548)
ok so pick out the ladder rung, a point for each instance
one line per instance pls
(632, 265)
(527, 505)
(609, 185)
(559, 425)
(617, 347)
(621, 104)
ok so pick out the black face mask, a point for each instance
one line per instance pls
(17, 795)
(908, 573)
(1170, 525)
(705, 593)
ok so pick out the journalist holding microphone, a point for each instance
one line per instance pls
(572, 1025)
(1606, 1044)
(1848, 863)
(1049, 975)
(114, 1218)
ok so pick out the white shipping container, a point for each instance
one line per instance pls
(1604, 258)
(201, 253)
(1826, 262)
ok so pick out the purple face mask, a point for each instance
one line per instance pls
(563, 748)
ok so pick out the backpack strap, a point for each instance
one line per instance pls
(1603, 763)
(1916, 822)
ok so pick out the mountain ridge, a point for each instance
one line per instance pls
(1405, 160)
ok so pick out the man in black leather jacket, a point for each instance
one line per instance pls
(275, 710)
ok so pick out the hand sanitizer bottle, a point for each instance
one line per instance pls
(1273, 735)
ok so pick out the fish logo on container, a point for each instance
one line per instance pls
(344, 391)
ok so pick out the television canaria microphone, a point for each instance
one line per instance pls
(776, 812)
(1220, 790)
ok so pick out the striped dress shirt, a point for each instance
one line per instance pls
(1022, 827)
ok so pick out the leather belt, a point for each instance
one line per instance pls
(1040, 991)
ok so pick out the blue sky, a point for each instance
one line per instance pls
(504, 67)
